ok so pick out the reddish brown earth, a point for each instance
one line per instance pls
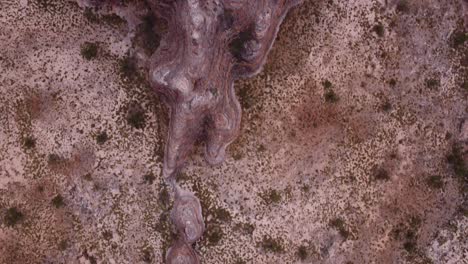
(376, 176)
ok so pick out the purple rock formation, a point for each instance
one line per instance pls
(181, 253)
(187, 216)
(208, 46)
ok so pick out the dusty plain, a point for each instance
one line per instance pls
(353, 146)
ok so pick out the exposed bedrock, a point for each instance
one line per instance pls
(187, 216)
(209, 44)
(181, 253)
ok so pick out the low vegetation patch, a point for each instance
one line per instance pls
(214, 234)
(402, 6)
(29, 143)
(271, 196)
(13, 216)
(381, 174)
(432, 83)
(57, 201)
(271, 244)
(379, 29)
(435, 182)
(459, 38)
(136, 117)
(330, 96)
(302, 252)
(102, 137)
(340, 225)
(456, 161)
(89, 50)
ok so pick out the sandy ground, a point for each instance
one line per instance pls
(353, 146)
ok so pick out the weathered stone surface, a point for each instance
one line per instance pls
(208, 45)
(181, 253)
(187, 216)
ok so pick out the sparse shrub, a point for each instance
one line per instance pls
(149, 178)
(432, 83)
(222, 214)
(392, 82)
(247, 96)
(409, 246)
(107, 235)
(408, 232)
(13, 216)
(435, 182)
(261, 148)
(57, 201)
(402, 6)
(415, 222)
(274, 245)
(113, 20)
(459, 38)
(87, 177)
(90, 15)
(236, 47)
(146, 35)
(271, 196)
(464, 85)
(214, 234)
(245, 228)
(164, 198)
(463, 209)
(63, 245)
(89, 50)
(455, 159)
(302, 252)
(147, 256)
(331, 96)
(386, 106)
(339, 224)
(136, 117)
(381, 174)
(379, 29)
(102, 137)
(54, 159)
(128, 68)
(240, 261)
(29, 143)
(327, 84)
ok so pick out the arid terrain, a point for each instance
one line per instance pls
(353, 145)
